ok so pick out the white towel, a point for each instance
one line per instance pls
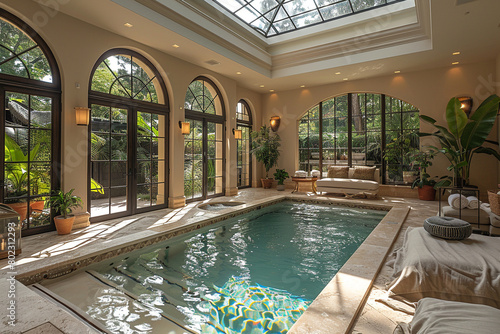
(458, 201)
(473, 202)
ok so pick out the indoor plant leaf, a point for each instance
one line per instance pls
(455, 117)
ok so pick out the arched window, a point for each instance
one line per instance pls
(30, 89)
(204, 147)
(128, 136)
(360, 129)
(244, 158)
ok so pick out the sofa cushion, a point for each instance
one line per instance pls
(347, 183)
(364, 173)
(338, 172)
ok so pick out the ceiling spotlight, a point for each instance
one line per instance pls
(238, 73)
(175, 46)
(398, 71)
(456, 53)
(302, 86)
(455, 63)
(345, 79)
(271, 90)
(128, 25)
(261, 86)
(337, 73)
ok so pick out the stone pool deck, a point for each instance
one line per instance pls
(51, 255)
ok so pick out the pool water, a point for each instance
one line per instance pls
(254, 273)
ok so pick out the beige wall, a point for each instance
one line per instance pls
(429, 91)
(76, 46)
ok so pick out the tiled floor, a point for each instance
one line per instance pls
(50, 249)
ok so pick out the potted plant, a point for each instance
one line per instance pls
(265, 147)
(424, 182)
(280, 175)
(398, 152)
(464, 137)
(16, 173)
(63, 204)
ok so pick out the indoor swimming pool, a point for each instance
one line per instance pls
(254, 273)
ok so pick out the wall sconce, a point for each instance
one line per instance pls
(185, 127)
(82, 116)
(275, 123)
(237, 134)
(465, 104)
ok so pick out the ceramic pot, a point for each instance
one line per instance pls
(37, 206)
(280, 187)
(266, 183)
(64, 225)
(21, 208)
(427, 193)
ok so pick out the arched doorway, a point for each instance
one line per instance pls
(127, 136)
(30, 91)
(204, 152)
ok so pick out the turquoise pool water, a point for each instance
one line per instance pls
(255, 273)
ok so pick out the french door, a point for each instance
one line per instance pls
(30, 163)
(127, 160)
(203, 159)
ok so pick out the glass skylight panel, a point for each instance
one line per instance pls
(336, 10)
(272, 17)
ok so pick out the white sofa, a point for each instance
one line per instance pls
(349, 185)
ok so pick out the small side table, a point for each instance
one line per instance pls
(311, 180)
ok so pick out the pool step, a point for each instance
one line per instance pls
(91, 294)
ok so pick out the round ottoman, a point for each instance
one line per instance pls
(448, 227)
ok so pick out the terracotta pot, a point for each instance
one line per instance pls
(267, 183)
(37, 206)
(427, 193)
(64, 225)
(21, 208)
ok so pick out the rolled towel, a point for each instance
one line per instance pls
(473, 202)
(458, 201)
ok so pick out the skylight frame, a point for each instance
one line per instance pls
(279, 7)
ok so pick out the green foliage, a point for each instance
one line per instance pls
(64, 203)
(400, 150)
(265, 147)
(422, 160)
(464, 138)
(280, 175)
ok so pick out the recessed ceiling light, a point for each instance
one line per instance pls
(302, 86)
(261, 86)
(456, 53)
(128, 25)
(175, 46)
(238, 73)
(455, 63)
(345, 79)
(271, 90)
(398, 71)
(337, 73)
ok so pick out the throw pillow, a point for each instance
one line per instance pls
(338, 172)
(448, 227)
(364, 173)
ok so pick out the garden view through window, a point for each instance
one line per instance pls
(360, 129)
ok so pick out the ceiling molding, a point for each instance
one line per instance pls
(376, 41)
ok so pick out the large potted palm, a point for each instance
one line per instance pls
(464, 137)
(265, 147)
(63, 204)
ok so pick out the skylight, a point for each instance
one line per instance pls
(274, 17)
